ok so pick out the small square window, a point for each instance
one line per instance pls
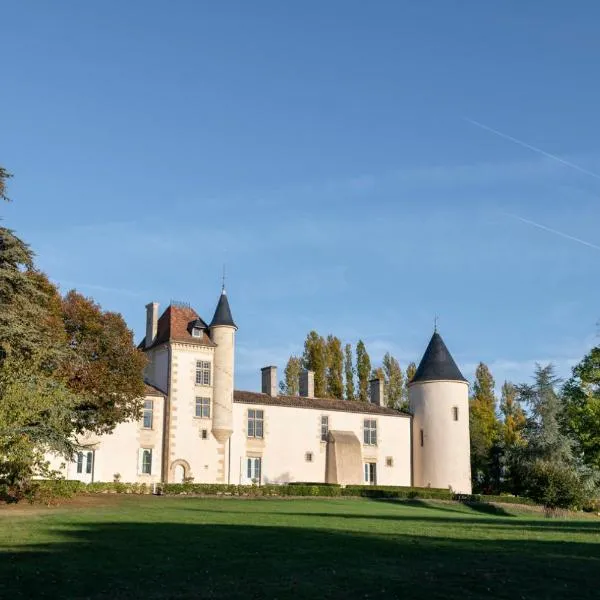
(196, 332)
(308, 457)
(389, 461)
(204, 434)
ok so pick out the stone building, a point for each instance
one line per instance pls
(196, 426)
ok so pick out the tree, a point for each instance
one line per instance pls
(348, 373)
(484, 429)
(291, 385)
(394, 382)
(315, 359)
(410, 372)
(581, 395)
(335, 367)
(514, 417)
(363, 370)
(4, 176)
(105, 369)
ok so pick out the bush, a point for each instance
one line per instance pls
(554, 486)
(392, 492)
(49, 491)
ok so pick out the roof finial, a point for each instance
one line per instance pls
(435, 324)
(223, 286)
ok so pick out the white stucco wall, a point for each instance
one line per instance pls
(444, 458)
(289, 433)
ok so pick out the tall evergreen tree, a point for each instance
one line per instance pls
(484, 428)
(290, 386)
(335, 367)
(315, 359)
(349, 393)
(394, 382)
(411, 369)
(363, 370)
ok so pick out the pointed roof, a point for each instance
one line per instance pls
(223, 312)
(437, 363)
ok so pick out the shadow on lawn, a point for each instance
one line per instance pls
(170, 560)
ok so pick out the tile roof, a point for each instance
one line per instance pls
(316, 403)
(437, 363)
(173, 325)
(152, 390)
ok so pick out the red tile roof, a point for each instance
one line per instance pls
(316, 403)
(173, 326)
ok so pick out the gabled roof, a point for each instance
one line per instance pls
(173, 326)
(325, 404)
(437, 363)
(152, 390)
(223, 312)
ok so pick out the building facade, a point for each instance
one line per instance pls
(196, 427)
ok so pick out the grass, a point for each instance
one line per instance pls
(161, 547)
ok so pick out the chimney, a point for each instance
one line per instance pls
(151, 322)
(376, 391)
(269, 380)
(307, 384)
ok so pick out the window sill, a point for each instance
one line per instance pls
(201, 418)
(205, 385)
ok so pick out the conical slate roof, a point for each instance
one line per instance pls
(223, 313)
(437, 363)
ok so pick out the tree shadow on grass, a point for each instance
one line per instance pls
(175, 560)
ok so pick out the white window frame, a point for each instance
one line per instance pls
(324, 427)
(203, 372)
(370, 432)
(143, 452)
(196, 332)
(368, 471)
(256, 423)
(79, 462)
(254, 469)
(202, 403)
(148, 411)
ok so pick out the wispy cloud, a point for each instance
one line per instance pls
(554, 231)
(532, 148)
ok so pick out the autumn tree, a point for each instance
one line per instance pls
(335, 367)
(484, 429)
(363, 370)
(394, 382)
(290, 386)
(349, 393)
(411, 369)
(513, 417)
(315, 359)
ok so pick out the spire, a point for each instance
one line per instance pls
(223, 312)
(437, 363)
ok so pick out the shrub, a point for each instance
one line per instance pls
(554, 486)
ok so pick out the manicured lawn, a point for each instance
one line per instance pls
(159, 547)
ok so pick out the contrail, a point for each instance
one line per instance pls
(565, 235)
(533, 148)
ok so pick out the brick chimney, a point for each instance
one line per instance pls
(151, 322)
(307, 384)
(269, 380)
(376, 391)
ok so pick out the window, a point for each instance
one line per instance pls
(308, 457)
(370, 432)
(253, 469)
(90, 462)
(202, 372)
(204, 434)
(80, 462)
(196, 332)
(422, 439)
(371, 473)
(324, 428)
(146, 461)
(455, 413)
(255, 423)
(148, 414)
(88, 459)
(203, 408)
(389, 461)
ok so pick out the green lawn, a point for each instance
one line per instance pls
(160, 547)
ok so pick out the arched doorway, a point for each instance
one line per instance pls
(180, 470)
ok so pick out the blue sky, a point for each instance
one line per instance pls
(337, 156)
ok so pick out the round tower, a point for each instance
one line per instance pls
(439, 401)
(222, 332)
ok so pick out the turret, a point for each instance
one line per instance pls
(439, 400)
(222, 332)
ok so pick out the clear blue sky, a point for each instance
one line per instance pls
(328, 153)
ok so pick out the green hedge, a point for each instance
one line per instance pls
(487, 498)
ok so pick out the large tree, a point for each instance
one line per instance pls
(290, 386)
(349, 393)
(4, 176)
(394, 382)
(484, 429)
(315, 359)
(513, 417)
(581, 395)
(363, 371)
(335, 367)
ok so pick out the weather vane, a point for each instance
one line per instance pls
(435, 324)
(223, 276)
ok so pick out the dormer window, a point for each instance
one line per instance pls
(196, 328)
(196, 332)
